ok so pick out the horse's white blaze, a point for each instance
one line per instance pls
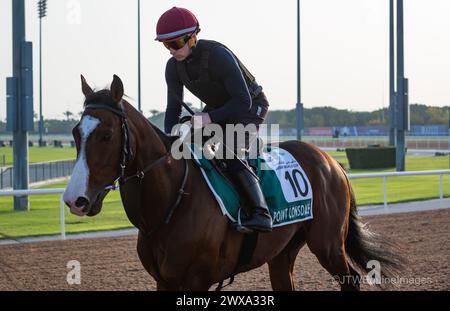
(80, 176)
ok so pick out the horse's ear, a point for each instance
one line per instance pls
(85, 87)
(117, 89)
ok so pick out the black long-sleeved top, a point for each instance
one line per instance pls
(223, 70)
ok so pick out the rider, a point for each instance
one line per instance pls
(210, 71)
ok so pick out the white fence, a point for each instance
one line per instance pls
(38, 172)
(441, 173)
(20, 193)
(385, 175)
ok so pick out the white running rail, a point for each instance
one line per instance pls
(19, 193)
(440, 173)
(385, 175)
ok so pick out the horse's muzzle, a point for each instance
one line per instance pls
(96, 206)
(83, 206)
(80, 207)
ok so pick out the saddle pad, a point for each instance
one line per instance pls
(285, 185)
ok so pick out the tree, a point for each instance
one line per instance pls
(153, 112)
(67, 114)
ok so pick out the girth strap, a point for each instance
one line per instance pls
(246, 251)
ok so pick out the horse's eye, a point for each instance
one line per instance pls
(107, 137)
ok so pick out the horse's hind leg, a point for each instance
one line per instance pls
(329, 249)
(281, 267)
(336, 264)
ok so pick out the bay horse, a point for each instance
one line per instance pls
(198, 246)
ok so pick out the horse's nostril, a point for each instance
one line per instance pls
(81, 201)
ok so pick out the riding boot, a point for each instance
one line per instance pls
(257, 216)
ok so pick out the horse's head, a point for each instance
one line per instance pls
(102, 146)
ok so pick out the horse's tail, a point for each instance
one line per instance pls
(366, 249)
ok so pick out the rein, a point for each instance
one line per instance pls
(140, 175)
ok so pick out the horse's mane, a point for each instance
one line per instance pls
(166, 139)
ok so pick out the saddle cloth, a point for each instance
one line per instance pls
(285, 185)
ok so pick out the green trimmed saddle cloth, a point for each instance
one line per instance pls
(285, 185)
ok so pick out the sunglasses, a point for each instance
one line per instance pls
(178, 43)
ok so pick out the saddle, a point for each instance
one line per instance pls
(221, 167)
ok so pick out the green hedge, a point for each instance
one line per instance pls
(372, 157)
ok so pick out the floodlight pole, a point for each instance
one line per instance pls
(19, 98)
(392, 115)
(299, 106)
(139, 54)
(42, 11)
(402, 91)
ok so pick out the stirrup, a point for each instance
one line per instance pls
(239, 227)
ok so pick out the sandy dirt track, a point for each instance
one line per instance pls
(113, 264)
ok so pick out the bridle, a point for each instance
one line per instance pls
(126, 150)
(126, 156)
(126, 153)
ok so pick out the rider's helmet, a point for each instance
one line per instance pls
(176, 23)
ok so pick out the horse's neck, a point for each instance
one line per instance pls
(158, 188)
(149, 145)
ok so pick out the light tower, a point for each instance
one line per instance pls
(139, 54)
(42, 12)
(402, 107)
(19, 101)
(299, 106)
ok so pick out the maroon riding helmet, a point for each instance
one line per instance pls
(176, 23)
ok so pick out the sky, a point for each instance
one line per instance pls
(344, 50)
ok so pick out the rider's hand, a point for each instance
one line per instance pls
(200, 120)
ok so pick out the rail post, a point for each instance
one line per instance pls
(62, 219)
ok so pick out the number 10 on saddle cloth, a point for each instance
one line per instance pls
(285, 185)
